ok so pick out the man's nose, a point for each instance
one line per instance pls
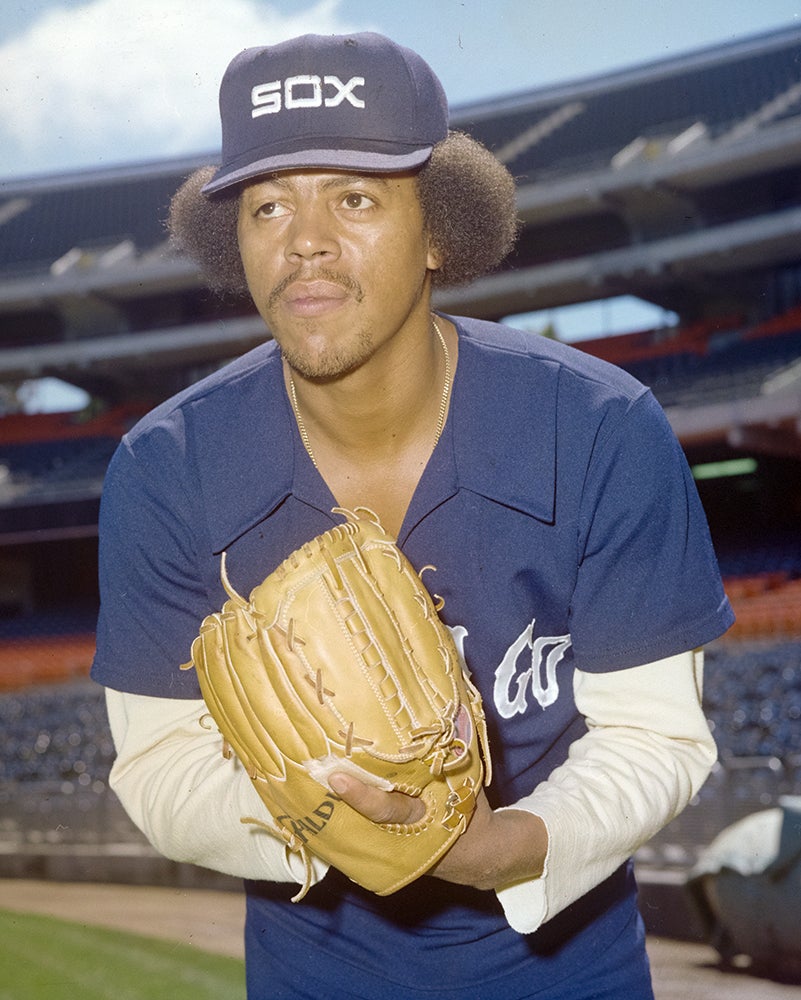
(312, 234)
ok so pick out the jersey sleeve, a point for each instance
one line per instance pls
(152, 596)
(647, 584)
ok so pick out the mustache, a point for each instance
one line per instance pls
(351, 285)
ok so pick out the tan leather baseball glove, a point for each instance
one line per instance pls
(339, 661)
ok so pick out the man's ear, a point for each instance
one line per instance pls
(435, 258)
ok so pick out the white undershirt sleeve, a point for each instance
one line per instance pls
(188, 800)
(646, 754)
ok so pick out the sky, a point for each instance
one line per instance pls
(96, 83)
(87, 84)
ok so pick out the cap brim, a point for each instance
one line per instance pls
(331, 159)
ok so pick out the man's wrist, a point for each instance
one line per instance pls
(498, 849)
(524, 837)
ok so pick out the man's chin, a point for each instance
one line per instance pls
(322, 370)
(327, 365)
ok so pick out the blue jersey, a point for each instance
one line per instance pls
(566, 532)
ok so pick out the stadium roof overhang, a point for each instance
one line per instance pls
(682, 168)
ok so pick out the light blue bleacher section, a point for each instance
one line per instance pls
(753, 700)
(58, 753)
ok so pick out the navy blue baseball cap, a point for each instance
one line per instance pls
(345, 102)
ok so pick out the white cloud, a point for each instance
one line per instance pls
(116, 81)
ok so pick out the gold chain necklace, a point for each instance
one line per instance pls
(443, 403)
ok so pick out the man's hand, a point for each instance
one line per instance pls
(497, 849)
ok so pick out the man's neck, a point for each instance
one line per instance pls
(371, 432)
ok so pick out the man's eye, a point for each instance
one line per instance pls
(356, 200)
(270, 209)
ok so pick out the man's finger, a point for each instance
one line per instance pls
(375, 804)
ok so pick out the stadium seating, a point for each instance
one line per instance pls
(707, 362)
(767, 606)
(58, 753)
(58, 747)
(41, 660)
(752, 694)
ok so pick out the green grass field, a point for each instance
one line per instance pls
(42, 958)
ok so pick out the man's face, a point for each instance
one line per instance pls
(336, 264)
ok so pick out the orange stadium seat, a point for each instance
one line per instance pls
(767, 606)
(27, 661)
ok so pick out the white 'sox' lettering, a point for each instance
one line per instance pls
(306, 91)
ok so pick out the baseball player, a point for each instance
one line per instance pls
(573, 563)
